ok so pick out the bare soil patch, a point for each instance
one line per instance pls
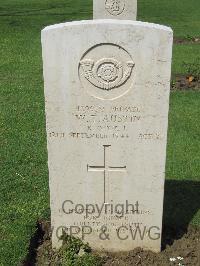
(184, 251)
(189, 40)
(185, 82)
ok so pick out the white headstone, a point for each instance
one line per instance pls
(107, 85)
(115, 9)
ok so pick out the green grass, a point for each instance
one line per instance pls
(24, 192)
(181, 15)
(183, 154)
(184, 53)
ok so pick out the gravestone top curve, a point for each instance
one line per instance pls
(110, 21)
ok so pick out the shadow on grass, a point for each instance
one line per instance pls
(181, 203)
(35, 242)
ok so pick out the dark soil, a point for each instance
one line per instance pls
(185, 82)
(184, 251)
(189, 40)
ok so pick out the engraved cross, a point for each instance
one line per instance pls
(105, 168)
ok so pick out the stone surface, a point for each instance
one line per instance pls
(115, 9)
(107, 86)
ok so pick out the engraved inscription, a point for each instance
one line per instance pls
(115, 7)
(103, 122)
(150, 136)
(106, 71)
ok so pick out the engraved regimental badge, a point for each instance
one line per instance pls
(115, 7)
(106, 68)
